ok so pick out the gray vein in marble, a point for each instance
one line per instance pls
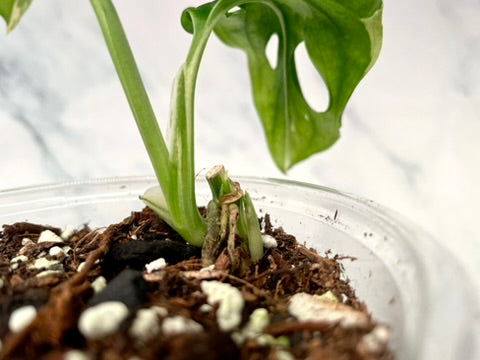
(35, 109)
(51, 162)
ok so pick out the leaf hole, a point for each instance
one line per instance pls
(271, 50)
(313, 86)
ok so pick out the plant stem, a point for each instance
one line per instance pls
(133, 87)
(174, 169)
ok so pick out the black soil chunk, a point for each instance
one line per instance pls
(142, 238)
(127, 287)
(136, 254)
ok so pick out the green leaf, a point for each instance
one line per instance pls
(12, 11)
(342, 38)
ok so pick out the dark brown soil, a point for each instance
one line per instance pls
(120, 253)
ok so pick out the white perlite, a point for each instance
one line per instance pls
(43, 263)
(229, 313)
(306, 307)
(269, 241)
(146, 324)
(55, 251)
(80, 266)
(99, 284)
(102, 319)
(26, 241)
(180, 325)
(19, 259)
(205, 308)
(76, 355)
(21, 318)
(258, 321)
(156, 265)
(16, 261)
(376, 340)
(68, 232)
(283, 355)
(49, 273)
(49, 236)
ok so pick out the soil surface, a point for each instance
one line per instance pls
(292, 304)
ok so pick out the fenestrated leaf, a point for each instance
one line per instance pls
(12, 11)
(342, 38)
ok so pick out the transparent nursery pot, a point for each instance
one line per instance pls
(407, 280)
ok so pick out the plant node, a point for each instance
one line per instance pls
(229, 214)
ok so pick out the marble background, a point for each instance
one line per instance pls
(409, 137)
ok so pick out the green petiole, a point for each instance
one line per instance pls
(174, 168)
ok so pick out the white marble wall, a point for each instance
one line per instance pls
(409, 139)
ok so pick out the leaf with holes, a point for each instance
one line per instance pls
(342, 38)
(12, 11)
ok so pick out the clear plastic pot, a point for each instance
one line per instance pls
(407, 280)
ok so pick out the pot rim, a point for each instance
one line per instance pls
(449, 291)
